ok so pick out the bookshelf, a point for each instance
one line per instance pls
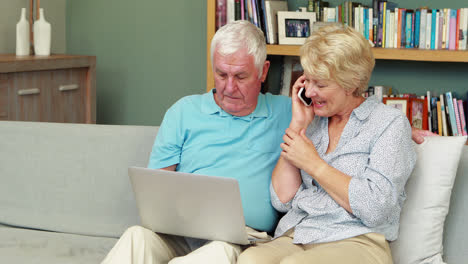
(293, 50)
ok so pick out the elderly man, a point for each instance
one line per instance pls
(232, 131)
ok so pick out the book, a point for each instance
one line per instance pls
(434, 119)
(463, 29)
(451, 113)
(230, 11)
(434, 26)
(422, 28)
(429, 109)
(428, 29)
(457, 116)
(452, 30)
(271, 10)
(417, 21)
(462, 117)
(440, 30)
(220, 13)
(408, 32)
(443, 111)
(439, 118)
(375, 20)
(237, 10)
(445, 19)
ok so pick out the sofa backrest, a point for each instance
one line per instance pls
(70, 177)
(456, 224)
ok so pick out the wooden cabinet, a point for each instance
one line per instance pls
(293, 50)
(57, 88)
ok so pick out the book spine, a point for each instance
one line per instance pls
(400, 11)
(441, 30)
(443, 114)
(370, 24)
(444, 27)
(435, 126)
(453, 28)
(409, 19)
(375, 20)
(451, 112)
(413, 24)
(457, 30)
(433, 29)
(457, 116)
(439, 118)
(422, 29)
(428, 30)
(403, 28)
(462, 117)
(237, 5)
(464, 29)
(395, 29)
(384, 22)
(429, 108)
(242, 9)
(388, 29)
(417, 23)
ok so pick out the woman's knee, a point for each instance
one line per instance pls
(252, 255)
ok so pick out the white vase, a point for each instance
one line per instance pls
(42, 35)
(22, 35)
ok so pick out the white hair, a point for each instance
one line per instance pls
(237, 35)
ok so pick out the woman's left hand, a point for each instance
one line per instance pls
(300, 151)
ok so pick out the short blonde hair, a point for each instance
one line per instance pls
(341, 54)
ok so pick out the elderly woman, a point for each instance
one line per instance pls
(345, 161)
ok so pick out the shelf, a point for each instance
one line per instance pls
(388, 54)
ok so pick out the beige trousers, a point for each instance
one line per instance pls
(139, 245)
(370, 248)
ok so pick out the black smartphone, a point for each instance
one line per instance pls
(306, 100)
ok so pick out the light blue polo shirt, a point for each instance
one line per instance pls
(201, 138)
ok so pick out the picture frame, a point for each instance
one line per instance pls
(401, 103)
(295, 27)
(418, 113)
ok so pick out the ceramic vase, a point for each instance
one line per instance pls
(22, 35)
(42, 35)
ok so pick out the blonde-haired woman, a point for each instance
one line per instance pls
(345, 161)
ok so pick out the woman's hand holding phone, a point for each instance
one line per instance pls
(302, 114)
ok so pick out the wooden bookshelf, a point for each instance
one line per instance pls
(388, 54)
(293, 50)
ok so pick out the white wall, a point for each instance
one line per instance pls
(10, 11)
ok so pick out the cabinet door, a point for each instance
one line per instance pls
(31, 99)
(4, 97)
(68, 95)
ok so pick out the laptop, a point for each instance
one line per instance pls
(190, 205)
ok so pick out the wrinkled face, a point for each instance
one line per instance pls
(328, 97)
(237, 82)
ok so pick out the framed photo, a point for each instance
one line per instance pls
(399, 103)
(295, 27)
(418, 113)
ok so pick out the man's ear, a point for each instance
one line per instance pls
(266, 66)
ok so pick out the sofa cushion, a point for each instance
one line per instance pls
(456, 228)
(33, 246)
(428, 197)
(71, 177)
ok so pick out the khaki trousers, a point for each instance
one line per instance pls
(369, 248)
(139, 245)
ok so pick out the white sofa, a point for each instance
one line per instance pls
(65, 196)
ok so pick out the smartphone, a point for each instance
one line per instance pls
(306, 100)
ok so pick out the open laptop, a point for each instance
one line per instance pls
(190, 205)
